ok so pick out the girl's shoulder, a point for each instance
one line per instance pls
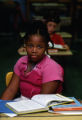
(22, 59)
(50, 64)
(49, 61)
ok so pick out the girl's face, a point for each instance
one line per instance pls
(35, 47)
(51, 26)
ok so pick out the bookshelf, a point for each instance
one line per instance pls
(47, 4)
(67, 9)
(39, 8)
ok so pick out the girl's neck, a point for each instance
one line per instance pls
(30, 66)
(32, 63)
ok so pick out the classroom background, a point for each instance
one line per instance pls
(13, 16)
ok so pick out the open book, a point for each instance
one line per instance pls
(37, 103)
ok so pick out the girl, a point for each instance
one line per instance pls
(35, 73)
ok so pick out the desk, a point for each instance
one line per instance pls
(42, 116)
(61, 53)
(65, 34)
(21, 51)
(58, 56)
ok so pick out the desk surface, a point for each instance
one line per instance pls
(65, 34)
(57, 53)
(42, 116)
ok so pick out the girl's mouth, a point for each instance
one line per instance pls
(33, 56)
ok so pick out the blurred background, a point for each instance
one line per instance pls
(14, 15)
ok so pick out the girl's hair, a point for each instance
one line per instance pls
(37, 27)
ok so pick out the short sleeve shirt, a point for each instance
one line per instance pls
(57, 39)
(45, 71)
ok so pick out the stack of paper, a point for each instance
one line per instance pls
(68, 109)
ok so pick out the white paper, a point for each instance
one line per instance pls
(70, 112)
(10, 114)
(44, 99)
(58, 46)
(25, 106)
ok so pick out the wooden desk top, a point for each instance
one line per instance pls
(61, 53)
(51, 52)
(65, 34)
(42, 116)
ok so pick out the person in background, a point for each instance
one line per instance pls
(35, 73)
(15, 14)
(52, 21)
(18, 16)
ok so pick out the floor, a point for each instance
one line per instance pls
(9, 44)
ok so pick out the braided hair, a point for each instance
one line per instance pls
(37, 27)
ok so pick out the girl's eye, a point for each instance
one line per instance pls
(39, 47)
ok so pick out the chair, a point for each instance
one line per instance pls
(8, 77)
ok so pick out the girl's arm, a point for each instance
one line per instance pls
(50, 87)
(12, 88)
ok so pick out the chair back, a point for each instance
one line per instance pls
(8, 77)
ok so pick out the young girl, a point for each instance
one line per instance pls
(35, 73)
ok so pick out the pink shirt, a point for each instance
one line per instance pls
(45, 71)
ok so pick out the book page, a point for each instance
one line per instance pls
(24, 106)
(58, 46)
(45, 99)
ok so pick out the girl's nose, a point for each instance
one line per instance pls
(34, 49)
